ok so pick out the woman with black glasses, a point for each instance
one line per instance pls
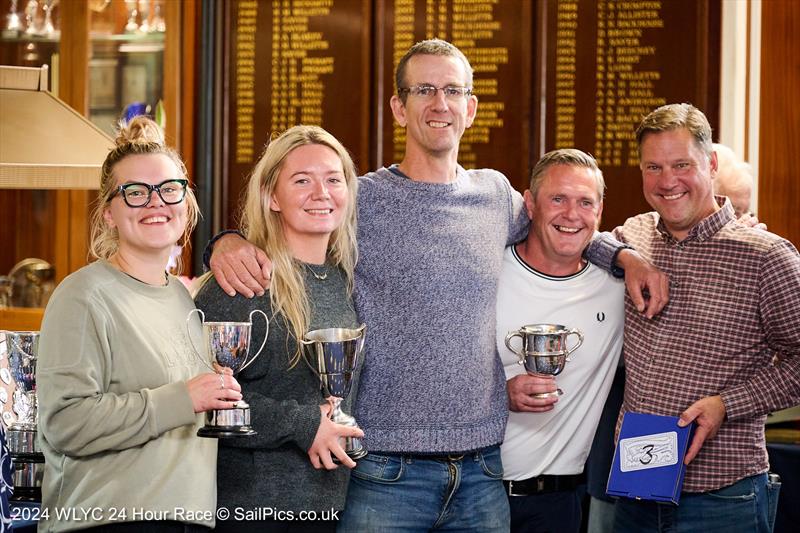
(120, 388)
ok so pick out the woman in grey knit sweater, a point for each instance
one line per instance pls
(300, 211)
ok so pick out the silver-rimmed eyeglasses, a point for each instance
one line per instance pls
(139, 194)
(426, 90)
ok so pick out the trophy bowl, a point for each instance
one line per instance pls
(549, 364)
(544, 349)
(229, 344)
(333, 355)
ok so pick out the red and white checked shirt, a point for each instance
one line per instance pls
(734, 306)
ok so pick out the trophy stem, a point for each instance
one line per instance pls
(336, 408)
(352, 445)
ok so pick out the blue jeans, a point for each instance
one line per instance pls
(743, 507)
(402, 493)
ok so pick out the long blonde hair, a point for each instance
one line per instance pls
(140, 136)
(263, 227)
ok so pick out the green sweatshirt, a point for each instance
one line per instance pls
(116, 422)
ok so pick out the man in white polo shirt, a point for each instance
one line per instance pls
(545, 280)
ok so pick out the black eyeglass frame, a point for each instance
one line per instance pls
(121, 190)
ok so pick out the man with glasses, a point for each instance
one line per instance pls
(431, 239)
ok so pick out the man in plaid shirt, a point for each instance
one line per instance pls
(725, 351)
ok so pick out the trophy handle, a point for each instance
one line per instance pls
(305, 359)
(266, 334)
(511, 335)
(580, 341)
(189, 334)
(362, 330)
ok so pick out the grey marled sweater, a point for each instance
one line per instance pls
(426, 283)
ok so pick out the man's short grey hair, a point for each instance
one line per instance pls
(431, 47)
(570, 157)
(675, 116)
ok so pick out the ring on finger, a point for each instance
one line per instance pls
(221, 381)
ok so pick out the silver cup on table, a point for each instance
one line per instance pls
(229, 344)
(544, 349)
(334, 355)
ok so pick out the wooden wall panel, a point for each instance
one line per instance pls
(779, 135)
(607, 65)
(72, 227)
(548, 74)
(292, 62)
(497, 39)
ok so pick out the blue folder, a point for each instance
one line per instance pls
(648, 459)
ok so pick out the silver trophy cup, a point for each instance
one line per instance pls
(13, 22)
(21, 349)
(334, 355)
(544, 349)
(228, 343)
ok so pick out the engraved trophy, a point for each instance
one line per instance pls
(131, 25)
(544, 349)
(18, 353)
(48, 29)
(31, 27)
(13, 22)
(159, 25)
(144, 11)
(333, 355)
(228, 343)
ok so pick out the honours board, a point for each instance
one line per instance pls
(548, 74)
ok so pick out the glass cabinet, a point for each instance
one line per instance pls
(127, 60)
(105, 57)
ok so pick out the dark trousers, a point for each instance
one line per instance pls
(550, 512)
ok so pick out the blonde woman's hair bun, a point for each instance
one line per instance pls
(140, 129)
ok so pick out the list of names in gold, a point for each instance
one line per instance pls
(625, 92)
(404, 13)
(565, 73)
(299, 66)
(245, 68)
(472, 26)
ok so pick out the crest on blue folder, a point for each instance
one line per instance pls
(648, 459)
